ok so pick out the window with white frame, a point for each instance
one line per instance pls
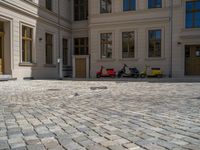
(27, 44)
(155, 39)
(106, 45)
(129, 5)
(154, 4)
(105, 6)
(128, 44)
(49, 49)
(49, 5)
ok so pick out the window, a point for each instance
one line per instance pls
(106, 45)
(65, 52)
(155, 43)
(1, 26)
(193, 14)
(27, 40)
(154, 3)
(81, 46)
(49, 49)
(49, 5)
(80, 10)
(129, 5)
(105, 6)
(128, 45)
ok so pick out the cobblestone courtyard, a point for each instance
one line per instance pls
(74, 115)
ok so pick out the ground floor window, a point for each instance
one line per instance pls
(65, 52)
(106, 45)
(49, 49)
(154, 43)
(128, 44)
(81, 46)
(27, 39)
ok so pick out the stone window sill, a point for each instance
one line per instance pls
(128, 59)
(155, 58)
(26, 64)
(106, 60)
(50, 65)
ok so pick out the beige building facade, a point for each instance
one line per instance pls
(73, 38)
(33, 37)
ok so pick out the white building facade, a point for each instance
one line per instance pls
(54, 39)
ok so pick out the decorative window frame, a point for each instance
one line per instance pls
(162, 43)
(54, 49)
(136, 43)
(128, 11)
(21, 63)
(113, 45)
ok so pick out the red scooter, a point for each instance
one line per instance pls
(106, 72)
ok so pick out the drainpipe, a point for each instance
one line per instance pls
(60, 77)
(171, 37)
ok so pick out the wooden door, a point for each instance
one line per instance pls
(1, 53)
(192, 60)
(80, 65)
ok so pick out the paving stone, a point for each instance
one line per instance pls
(96, 147)
(131, 146)
(117, 147)
(36, 147)
(50, 142)
(4, 145)
(87, 143)
(179, 142)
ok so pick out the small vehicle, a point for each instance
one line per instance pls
(128, 72)
(106, 72)
(153, 72)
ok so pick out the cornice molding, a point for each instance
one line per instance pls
(137, 21)
(28, 13)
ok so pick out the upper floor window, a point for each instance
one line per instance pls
(1, 27)
(106, 45)
(105, 6)
(49, 49)
(49, 5)
(81, 46)
(154, 3)
(129, 5)
(155, 43)
(193, 14)
(80, 10)
(27, 42)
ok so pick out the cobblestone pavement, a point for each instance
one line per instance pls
(80, 115)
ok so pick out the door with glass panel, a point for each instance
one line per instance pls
(192, 59)
(1, 53)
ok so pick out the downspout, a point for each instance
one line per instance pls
(171, 38)
(59, 50)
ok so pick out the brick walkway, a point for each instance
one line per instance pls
(74, 115)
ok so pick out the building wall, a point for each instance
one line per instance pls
(35, 15)
(140, 21)
(181, 37)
